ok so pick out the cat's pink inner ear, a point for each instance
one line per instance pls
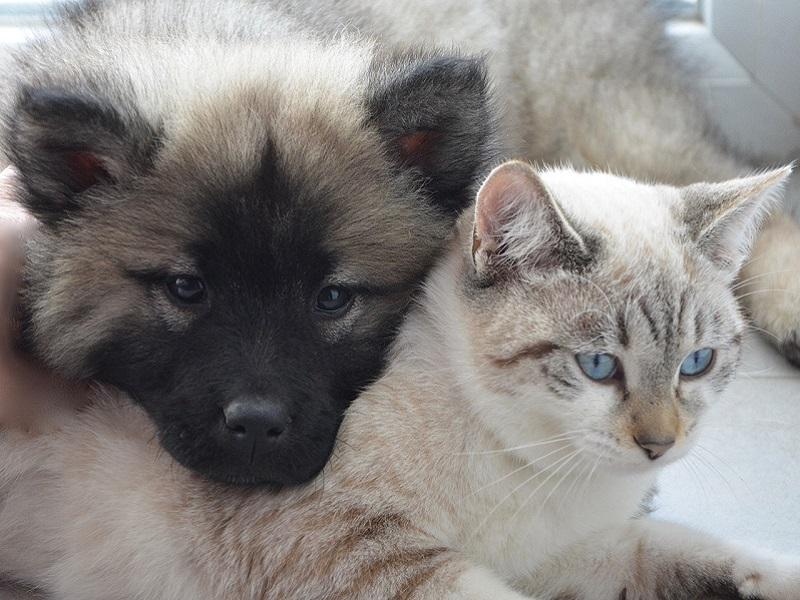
(502, 196)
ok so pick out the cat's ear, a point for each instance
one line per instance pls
(723, 218)
(436, 116)
(65, 143)
(519, 226)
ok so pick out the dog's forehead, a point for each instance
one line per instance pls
(258, 178)
(283, 208)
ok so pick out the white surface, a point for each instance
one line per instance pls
(745, 484)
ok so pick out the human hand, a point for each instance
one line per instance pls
(30, 396)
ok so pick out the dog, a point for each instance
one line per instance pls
(235, 214)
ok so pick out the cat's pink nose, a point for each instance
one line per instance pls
(655, 448)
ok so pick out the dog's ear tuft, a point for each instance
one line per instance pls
(65, 144)
(437, 118)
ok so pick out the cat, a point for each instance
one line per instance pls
(565, 349)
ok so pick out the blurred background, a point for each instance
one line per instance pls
(751, 54)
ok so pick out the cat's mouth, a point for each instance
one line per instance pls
(635, 456)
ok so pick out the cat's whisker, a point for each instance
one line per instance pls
(705, 463)
(692, 469)
(599, 289)
(518, 469)
(562, 463)
(588, 483)
(585, 476)
(570, 435)
(579, 476)
(586, 312)
(753, 260)
(744, 282)
(515, 490)
(761, 330)
(578, 461)
(723, 463)
(588, 345)
(791, 293)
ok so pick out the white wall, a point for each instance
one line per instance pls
(753, 50)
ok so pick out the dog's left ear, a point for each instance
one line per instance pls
(437, 118)
(65, 144)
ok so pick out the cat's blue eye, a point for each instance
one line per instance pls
(598, 367)
(697, 363)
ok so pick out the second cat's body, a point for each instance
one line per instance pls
(557, 359)
(584, 82)
(594, 84)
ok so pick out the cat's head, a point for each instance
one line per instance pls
(600, 312)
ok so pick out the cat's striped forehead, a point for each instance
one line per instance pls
(658, 284)
(632, 218)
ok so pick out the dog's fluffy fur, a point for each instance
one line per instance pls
(226, 140)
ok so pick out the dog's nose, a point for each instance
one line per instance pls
(256, 418)
(655, 448)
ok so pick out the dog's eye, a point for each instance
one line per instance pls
(187, 289)
(333, 299)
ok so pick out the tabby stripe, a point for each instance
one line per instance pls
(565, 382)
(699, 330)
(419, 579)
(364, 529)
(372, 575)
(622, 334)
(534, 351)
(650, 321)
(560, 392)
(682, 311)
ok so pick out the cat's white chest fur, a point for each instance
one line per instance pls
(517, 529)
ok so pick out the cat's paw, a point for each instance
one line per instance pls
(768, 578)
(769, 286)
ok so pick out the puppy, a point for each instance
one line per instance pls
(235, 214)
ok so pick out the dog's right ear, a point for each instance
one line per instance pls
(65, 144)
(437, 116)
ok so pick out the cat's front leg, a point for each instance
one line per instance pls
(652, 560)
